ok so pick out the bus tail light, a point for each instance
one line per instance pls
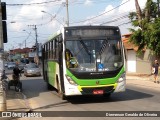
(122, 78)
(70, 80)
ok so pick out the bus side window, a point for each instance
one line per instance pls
(53, 49)
(56, 49)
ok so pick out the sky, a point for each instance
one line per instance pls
(22, 15)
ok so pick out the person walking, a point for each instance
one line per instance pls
(155, 68)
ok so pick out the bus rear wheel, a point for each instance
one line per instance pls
(49, 87)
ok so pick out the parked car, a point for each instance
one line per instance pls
(32, 69)
(11, 65)
(5, 64)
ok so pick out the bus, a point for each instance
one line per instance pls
(85, 60)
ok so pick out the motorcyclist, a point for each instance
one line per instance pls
(16, 72)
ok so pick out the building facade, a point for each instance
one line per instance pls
(141, 63)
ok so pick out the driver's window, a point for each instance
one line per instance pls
(71, 61)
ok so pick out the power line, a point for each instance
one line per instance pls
(58, 11)
(97, 1)
(40, 3)
(102, 13)
(115, 20)
(124, 23)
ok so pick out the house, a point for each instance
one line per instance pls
(137, 63)
(29, 53)
(18, 53)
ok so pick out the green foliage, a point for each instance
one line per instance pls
(147, 34)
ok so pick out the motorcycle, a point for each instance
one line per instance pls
(15, 82)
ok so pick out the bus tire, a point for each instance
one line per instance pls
(63, 96)
(60, 93)
(49, 87)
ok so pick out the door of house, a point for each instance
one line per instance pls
(131, 61)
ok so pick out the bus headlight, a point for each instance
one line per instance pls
(122, 78)
(70, 80)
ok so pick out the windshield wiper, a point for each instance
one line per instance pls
(103, 47)
(85, 47)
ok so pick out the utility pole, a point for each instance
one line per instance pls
(36, 44)
(67, 13)
(25, 43)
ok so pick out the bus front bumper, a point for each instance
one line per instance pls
(71, 90)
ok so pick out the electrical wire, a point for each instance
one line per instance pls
(115, 20)
(96, 1)
(58, 11)
(40, 3)
(101, 13)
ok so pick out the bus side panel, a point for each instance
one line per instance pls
(53, 70)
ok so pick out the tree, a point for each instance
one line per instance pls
(147, 22)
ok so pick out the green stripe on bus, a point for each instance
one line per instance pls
(92, 82)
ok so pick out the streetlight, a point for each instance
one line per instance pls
(29, 34)
(49, 14)
(52, 16)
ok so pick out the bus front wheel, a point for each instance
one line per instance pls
(59, 91)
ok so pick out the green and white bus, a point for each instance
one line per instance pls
(85, 60)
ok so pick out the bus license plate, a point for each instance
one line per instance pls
(97, 92)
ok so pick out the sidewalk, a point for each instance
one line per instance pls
(134, 76)
(142, 81)
(15, 101)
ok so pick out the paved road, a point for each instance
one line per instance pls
(140, 95)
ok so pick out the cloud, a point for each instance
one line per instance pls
(130, 6)
(116, 16)
(109, 10)
(88, 2)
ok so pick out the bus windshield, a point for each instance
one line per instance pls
(89, 55)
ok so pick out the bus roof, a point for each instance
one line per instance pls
(54, 35)
(90, 26)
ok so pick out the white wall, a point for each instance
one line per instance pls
(131, 61)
